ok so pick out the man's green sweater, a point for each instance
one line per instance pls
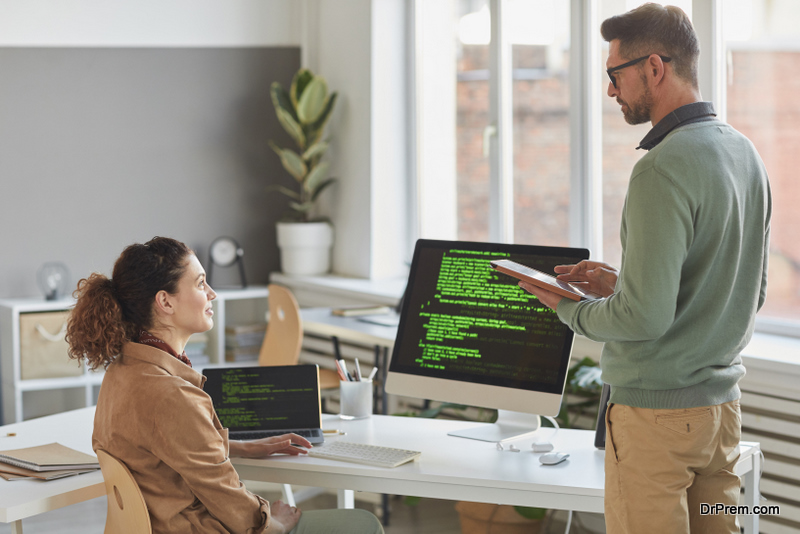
(695, 232)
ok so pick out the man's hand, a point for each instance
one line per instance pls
(259, 448)
(548, 298)
(593, 276)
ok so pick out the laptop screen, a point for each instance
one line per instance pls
(265, 398)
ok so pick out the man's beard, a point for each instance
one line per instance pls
(639, 111)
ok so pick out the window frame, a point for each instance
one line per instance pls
(586, 136)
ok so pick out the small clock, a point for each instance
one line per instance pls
(225, 252)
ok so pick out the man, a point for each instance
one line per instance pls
(695, 231)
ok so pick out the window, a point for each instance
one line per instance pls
(762, 41)
(513, 119)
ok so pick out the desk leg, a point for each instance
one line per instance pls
(16, 527)
(752, 483)
(337, 353)
(382, 362)
(345, 498)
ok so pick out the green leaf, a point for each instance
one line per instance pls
(315, 176)
(305, 207)
(291, 161)
(412, 501)
(324, 185)
(301, 79)
(312, 101)
(531, 513)
(317, 149)
(319, 124)
(285, 190)
(292, 127)
(281, 100)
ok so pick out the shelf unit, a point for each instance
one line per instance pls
(66, 391)
(25, 399)
(234, 306)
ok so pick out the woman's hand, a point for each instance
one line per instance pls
(283, 518)
(259, 448)
(593, 276)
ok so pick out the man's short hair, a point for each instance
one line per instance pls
(656, 29)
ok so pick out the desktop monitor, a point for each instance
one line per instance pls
(470, 335)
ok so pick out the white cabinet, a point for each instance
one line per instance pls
(28, 398)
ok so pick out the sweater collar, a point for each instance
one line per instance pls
(694, 112)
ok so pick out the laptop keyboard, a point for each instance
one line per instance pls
(258, 434)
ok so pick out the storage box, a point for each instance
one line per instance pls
(43, 347)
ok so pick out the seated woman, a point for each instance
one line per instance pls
(152, 412)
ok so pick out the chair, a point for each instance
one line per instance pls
(281, 346)
(284, 337)
(127, 511)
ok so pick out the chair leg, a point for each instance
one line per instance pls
(288, 495)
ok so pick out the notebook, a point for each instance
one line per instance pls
(50, 457)
(258, 402)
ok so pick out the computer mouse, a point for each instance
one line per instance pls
(553, 458)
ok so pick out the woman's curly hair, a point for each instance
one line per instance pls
(112, 311)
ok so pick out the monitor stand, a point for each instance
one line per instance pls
(509, 425)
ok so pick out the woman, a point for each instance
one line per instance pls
(152, 412)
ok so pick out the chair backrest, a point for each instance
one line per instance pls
(127, 511)
(284, 336)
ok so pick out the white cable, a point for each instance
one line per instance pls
(555, 425)
(569, 521)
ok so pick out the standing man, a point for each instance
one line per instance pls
(695, 231)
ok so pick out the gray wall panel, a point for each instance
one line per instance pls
(103, 147)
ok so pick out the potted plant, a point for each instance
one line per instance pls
(304, 238)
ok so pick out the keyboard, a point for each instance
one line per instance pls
(364, 454)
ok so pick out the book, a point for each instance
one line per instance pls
(235, 329)
(10, 472)
(543, 280)
(242, 354)
(50, 457)
(244, 340)
(360, 310)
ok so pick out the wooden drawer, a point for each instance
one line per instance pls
(43, 348)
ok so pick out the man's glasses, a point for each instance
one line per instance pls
(628, 64)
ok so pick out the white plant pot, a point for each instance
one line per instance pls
(305, 247)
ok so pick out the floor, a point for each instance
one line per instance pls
(429, 516)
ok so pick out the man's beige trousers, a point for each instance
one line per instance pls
(662, 464)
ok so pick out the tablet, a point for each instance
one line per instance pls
(543, 280)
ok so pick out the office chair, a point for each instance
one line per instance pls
(127, 511)
(281, 346)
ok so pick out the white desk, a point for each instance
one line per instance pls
(321, 322)
(25, 498)
(462, 469)
(449, 468)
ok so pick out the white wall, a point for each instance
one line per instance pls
(217, 166)
(359, 47)
(149, 23)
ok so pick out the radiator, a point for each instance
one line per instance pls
(771, 415)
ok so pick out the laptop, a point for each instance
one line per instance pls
(259, 402)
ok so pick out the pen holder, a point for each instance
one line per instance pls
(355, 399)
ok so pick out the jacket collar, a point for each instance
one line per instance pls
(164, 360)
